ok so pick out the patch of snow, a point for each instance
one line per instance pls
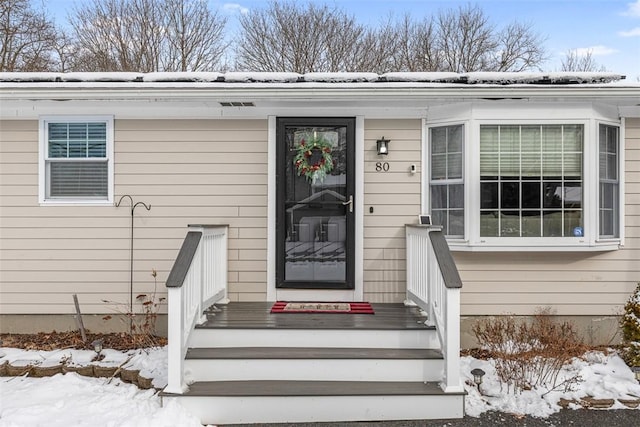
(240, 77)
(602, 377)
(529, 78)
(182, 77)
(74, 400)
(430, 77)
(71, 399)
(341, 77)
(101, 77)
(28, 77)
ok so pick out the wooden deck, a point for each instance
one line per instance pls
(256, 315)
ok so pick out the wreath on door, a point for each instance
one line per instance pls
(313, 159)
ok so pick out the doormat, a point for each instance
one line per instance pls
(322, 307)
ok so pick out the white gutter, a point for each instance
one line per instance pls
(97, 91)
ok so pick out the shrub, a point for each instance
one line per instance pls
(142, 326)
(630, 325)
(530, 354)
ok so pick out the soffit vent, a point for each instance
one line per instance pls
(237, 104)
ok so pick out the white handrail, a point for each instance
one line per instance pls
(197, 280)
(433, 283)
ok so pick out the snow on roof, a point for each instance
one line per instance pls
(507, 78)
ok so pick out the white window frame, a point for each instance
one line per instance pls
(43, 158)
(621, 161)
(426, 161)
(472, 116)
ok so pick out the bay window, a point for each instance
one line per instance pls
(526, 181)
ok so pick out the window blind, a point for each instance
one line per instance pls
(531, 151)
(77, 164)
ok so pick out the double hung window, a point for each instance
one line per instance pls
(609, 199)
(76, 160)
(447, 185)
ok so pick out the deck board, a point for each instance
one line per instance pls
(256, 315)
(312, 388)
(311, 353)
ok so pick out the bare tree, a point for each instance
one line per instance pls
(64, 52)
(27, 38)
(467, 41)
(573, 61)
(414, 46)
(373, 50)
(288, 37)
(147, 35)
(194, 36)
(117, 35)
(519, 48)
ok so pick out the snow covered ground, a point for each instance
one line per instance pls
(74, 400)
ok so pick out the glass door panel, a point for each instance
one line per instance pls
(316, 205)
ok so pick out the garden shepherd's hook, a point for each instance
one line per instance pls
(133, 208)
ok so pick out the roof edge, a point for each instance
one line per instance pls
(494, 78)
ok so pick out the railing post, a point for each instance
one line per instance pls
(430, 276)
(175, 327)
(452, 381)
(224, 256)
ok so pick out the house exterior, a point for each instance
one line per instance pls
(534, 178)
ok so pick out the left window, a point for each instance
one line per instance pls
(76, 160)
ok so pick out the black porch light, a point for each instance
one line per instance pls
(382, 145)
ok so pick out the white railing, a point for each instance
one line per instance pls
(197, 280)
(433, 283)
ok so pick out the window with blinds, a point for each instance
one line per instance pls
(446, 179)
(531, 180)
(76, 162)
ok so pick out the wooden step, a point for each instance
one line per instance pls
(232, 402)
(310, 353)
(313, 364)
(424, 337)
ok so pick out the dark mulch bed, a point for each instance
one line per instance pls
(56, 340)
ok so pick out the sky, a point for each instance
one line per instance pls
(609, 29)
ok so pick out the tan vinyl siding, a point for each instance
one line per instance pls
(189, 171)
(570, 283)
(215, 171)
(395, 199)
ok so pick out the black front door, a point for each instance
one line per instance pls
(315, 206)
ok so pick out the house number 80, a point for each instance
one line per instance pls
(382, 167)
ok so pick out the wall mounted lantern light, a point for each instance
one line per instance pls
(382, 146)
